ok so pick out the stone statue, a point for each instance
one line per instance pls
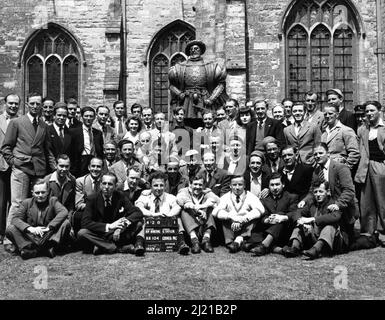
(197, 85)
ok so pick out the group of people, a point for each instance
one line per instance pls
(291, 180)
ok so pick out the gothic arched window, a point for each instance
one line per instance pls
(321, 37)
(52, 64)
(167, 49)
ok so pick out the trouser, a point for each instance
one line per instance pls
(373, 199)
(88, 239)
(25, 240)
(191, 223)
(278, 231)
(230, 235)
(5, 198)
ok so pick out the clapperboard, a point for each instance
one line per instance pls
(161, 234)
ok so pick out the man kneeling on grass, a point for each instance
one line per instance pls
(40, 225)
(239, 209)
(197, 205)
(318, 227)
(110, 222)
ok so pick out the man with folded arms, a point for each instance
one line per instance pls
(40, 224)
(197, 206)
(110, 222)
(239, 209)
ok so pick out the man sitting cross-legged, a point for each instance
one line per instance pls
(158, 203)
(274, 227)
(197, 205)
(318, 227)
(109, 222)
(40, 224)
(239, 210)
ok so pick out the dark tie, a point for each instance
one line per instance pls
(260, 125)
(321, 174)
(92, 151)
(61, 134)
(120, 129)
(209, 176)
(157, 204)
(34, 123)
(238, 198)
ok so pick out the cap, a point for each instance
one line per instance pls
(259, 154)
(338, 92)
(199, 43)
(191, 153)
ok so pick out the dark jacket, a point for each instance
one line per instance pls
(219, 183)
(284, 205)
(300, 181)
(56, 146)
(348, 119)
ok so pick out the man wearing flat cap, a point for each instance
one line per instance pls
(336, 97)
(197, 85)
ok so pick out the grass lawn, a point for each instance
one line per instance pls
(170, 276)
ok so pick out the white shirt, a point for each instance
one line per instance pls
(329, 131)
(57, 129)
(31, 118)
(256, 185)
(147, 201)
(297, 128)
(374, 130)
(326, 170)
(87, 140)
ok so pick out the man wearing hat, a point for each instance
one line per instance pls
(197, 85)
(193, 164)
(335, 97)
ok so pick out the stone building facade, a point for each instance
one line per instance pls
(99, 51)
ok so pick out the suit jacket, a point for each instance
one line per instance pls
(317, 120)
(83, 189)
(240, 168)
(273, 128)
(65, 195)
(24, 148)
(264, 181)
(3, 129)
(120, 170)
(300, 181)
(219, 183)
(95, 218)
(284, 205)
(53, 215)
(108, 133)
(118, 136)
(267, 166)
(76, 124)
(56, 146)
(348, 119)
(308, 135)
(363, 137)
(77, 146)
(342, 144)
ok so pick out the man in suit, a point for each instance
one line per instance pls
(296, 176)
(256, 175)
(59, 139)
(87, 142)
(341, 186)
(278, 112)
(40, 224)
(25, 149)
(287, 105)
(235, 163)
(72, 121)
(132, 188)
(119, 119)
(102, 114)
(12, 102)
(48, 106)
(62, 184)
(110, 153)
(335, 97)
(148, 119)
(272, 151)
(263, 127)
(302, 135)
(183, 134)
(313, 115)
(202, 134)
(215, 179)
(110, 222)
(341, 140)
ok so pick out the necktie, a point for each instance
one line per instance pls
(238, 198)
(120, 129)
(209, 175)
(61, 133)
(321, 174)
(157, 204)
(34, 123)
(92, 151)
(260, 124)
(108, 202)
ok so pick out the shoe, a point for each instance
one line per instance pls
(195, 247)
(290, 252)
(260, 250)
(51, 252)
(182, 247)
(129, 248)
(206, 246)
(234, 247)
(28, 254)
(97, 251)
(1, 239)
(10, 248)
(311, 254)
(247, 246)
(139, 246)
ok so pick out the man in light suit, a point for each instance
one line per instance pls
(25, 149)
(302, 135)
(313, 115)
(336, 97)
(12, 102)
(119, 119)
(102, 114)
(264, 126)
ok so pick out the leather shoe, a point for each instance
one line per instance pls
(247, 246)
(290, 252)
(206, 246)
(195, 248)
(129, 248)
(311, 254)
(260, 250)
(9, 247)
(139, 247)
(233, 247)
(1, 239)
(28, 254)
(182, 247)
